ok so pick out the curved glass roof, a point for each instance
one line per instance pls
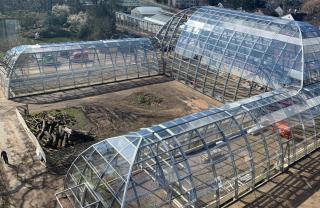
(213, 157)
(34, 69)
(222, 52)
(204, 159)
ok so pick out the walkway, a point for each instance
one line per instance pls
(25, 182)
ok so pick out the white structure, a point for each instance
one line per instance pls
(279, 11)
(220, 5)
(122, 3)
(182, 4)
(288, 16)
(145, 11)
(160, 19)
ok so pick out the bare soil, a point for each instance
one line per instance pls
(118, 113)
(26, 183)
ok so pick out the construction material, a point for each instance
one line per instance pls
(55, 131)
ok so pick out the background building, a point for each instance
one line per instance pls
(122, 3)
(128, 3)
(182, 4)
(145, 11)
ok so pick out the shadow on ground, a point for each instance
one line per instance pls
(91, 91)
(26, 183)
(289, 189)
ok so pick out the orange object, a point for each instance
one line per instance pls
(284, 129)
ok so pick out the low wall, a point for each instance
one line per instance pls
(39, 151)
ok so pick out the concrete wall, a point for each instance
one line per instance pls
(39, 151)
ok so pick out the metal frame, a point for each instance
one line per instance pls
(136, 25)
(208, 158)
(204, 159)
(78, 197)
(230, 55)
(46, 68)
(215, 156)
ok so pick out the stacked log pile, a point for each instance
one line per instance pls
(54, 131)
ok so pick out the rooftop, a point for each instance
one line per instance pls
(147, 10)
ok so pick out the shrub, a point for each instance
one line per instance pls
(53, 32)
(61, 10)
(31, 20)
(102, 21)
(58, 17)
(78, 24)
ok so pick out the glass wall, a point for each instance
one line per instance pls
(46, 68)
(215, 156)
(204, 159)
(231, 55)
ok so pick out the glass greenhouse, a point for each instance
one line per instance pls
(268, 67)
(34, 69)
(204, 159)
(215, 156)
(231, 55)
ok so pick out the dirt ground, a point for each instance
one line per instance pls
(120, 112)
(26, 183)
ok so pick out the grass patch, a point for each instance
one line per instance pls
(82, 122)
(145, 99)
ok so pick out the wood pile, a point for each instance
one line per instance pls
(54, 131)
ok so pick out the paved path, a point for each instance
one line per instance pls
(25, 182)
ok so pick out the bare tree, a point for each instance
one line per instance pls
(312, 7)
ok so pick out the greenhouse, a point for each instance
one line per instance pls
(204, 159)
(34, 69)
(213, 157)
(231, 55)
